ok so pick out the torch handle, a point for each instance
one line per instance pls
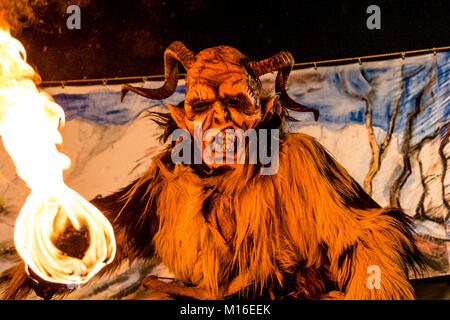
(43, 288)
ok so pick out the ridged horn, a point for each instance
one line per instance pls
(283, 62)
(177, 51)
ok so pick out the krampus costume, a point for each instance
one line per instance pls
(309, 231)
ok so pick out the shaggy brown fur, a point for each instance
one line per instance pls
(307, 231)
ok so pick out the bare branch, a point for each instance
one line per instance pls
(374, 159)
(407, 149)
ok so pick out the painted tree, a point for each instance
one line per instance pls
(377, 149)
(422, 100)
(413, 151)
(408, 148)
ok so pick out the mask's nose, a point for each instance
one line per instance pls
(221, 114)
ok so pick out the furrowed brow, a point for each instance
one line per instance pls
(202, 94)
(242, 97)
(196, 100)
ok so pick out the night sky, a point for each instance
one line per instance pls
(128, 38)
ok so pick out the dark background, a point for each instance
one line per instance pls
(128, 38)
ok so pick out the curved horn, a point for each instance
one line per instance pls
(177, 51)
(283, 62)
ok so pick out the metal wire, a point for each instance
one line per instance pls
(119, 80)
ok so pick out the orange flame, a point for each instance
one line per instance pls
(29, 122)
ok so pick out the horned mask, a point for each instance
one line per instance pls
(223, 90)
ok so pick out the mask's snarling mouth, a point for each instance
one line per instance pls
(222, 147)
(225, 142)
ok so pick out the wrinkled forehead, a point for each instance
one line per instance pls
(215, 65)
(214, 74)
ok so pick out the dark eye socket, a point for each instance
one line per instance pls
(239, 103)
(234, 102)
(199, 106)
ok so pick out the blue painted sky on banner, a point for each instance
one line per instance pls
(340, 95)
(342, 92)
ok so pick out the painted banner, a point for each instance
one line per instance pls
(386, 122)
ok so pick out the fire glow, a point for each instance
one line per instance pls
(53, 215)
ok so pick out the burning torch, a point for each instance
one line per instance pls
(61, 237)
